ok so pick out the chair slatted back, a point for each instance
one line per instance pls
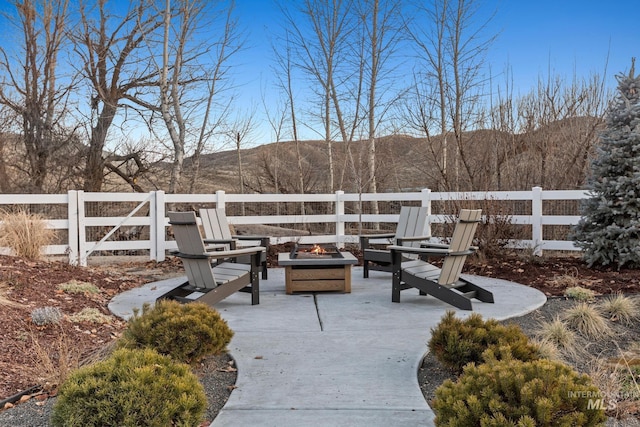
(412, 223)
(215, 224)
(460, 242)
(196, 264)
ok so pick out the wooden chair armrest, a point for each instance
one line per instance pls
(264, 240)
(223, 254)
(434, 245)
(364, 238)
(421, 251)
(429, 251)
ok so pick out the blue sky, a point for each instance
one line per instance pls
(535, 38)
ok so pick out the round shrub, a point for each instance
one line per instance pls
(131, 388)
(185, 332)
(455, 342)
(515, 393)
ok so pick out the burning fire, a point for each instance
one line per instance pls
(317, 249)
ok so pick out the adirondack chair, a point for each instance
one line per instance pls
(409, 232)
(218, 232)
(206, 283)
(445, 283)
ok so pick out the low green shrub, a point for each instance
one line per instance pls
(129, 389)
(456, 342)
(579, 293)
(519, 394)
(185, 332)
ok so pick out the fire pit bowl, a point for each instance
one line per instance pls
(315, 251)
(314, 268)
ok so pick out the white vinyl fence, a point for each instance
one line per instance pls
(88, 224)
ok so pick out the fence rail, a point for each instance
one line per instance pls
(112, 223)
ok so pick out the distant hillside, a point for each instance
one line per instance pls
(555, 157)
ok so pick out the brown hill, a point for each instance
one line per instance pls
(555, 156)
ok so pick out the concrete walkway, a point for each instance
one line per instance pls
(332, 359)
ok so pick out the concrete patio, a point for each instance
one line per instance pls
(333, 359)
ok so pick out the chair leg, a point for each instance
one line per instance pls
(255, 279)
(365, 268)
(396, 286)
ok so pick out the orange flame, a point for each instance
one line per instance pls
(318, 250)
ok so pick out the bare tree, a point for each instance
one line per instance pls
(30, 87)
(318, 32)
(561, 120)
(284, 69)
(116, 66)
(239, 132)
(381, 33)
(184, 73)
(451, 49)
(276, 114)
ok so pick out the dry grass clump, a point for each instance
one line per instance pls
(546, 349)
(558, 333)
(567, 280)
(618, 379)
(588, 320)
(26, 234)
(620, 308)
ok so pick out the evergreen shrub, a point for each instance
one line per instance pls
(185, 332)
(132, 388)
(608, 231)
(456, 342)
(519, 394)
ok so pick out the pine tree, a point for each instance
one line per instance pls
(609, 231)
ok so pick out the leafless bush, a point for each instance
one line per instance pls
(53, 363)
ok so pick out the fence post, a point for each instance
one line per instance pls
(339, 209)
(82, 231)
(158, 231)
(220, 199)
(153, 235)
(426, 202)
(72, 230)
(536, 220)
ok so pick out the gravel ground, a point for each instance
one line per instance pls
(431, 374)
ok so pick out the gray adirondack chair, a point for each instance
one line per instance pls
(206, 283)
(409, 232)
(218, 232)
(443, 283)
